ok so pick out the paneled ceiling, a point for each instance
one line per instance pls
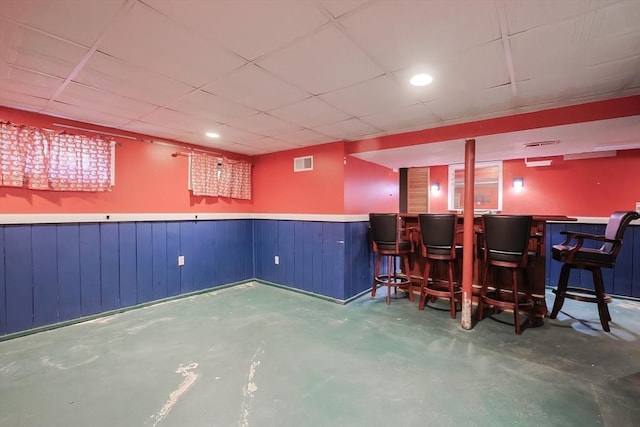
(276, 75)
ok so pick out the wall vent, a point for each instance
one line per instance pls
(301, 164)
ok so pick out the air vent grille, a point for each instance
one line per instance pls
(301, 164)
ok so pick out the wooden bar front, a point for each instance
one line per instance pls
(538, 243)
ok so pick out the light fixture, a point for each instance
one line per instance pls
(518, 184)
(435, 187)
(212, 135)
(421, 79)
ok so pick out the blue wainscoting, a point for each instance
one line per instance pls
(331, 259)
(51, 273)
(622, 280)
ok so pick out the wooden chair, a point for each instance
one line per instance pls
(577, 256)
(438, 233)
(390, 242)
(506, 243)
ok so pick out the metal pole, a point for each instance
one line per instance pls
(467, 242)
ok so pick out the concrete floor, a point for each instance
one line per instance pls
(255, 355)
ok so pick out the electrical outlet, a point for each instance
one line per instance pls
(181, 260)
(276, 260)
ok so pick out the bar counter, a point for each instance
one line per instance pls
(538, 244)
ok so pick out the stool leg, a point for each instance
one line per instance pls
(407, 272)
(425, 283)
(603, 311)
(390, 272)
(561, 290)
(376, 273)
(483, 292)
(452, 300)
(516, 308)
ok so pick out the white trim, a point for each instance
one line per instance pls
(186, 216)
(130, 217)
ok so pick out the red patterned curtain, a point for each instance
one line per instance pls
(220, 177)
(39, 159)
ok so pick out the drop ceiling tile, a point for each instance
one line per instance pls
(347, 129)
(305, 137)
(622, 71)
(178, 120)
(526, 15)
(124, 78)
(99, 100)
(407, 34)
(401, 119)
(36, 51)
(90, 17)
(264, 124)
(321, 62)
(152, 40)
(250, 28)
(612, 48)
(230, 134)
(373, 96)
(546, 89)
(214, 108)
(310, 113)
(254, 87)
(337, 8)
(82, 113)
(269, 144)
(617, 19)
(20, 101)
(153, 129)
(538, 53)
(26, 81)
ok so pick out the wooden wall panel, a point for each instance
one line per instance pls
(186, 250)
(45, 284)
(109, 267)
(89, 242)
(161, 263)
(128, 264)
(68, 250)
(3, 289)
(144, 262)
(418, 190)
(173, 251)
(19, 278)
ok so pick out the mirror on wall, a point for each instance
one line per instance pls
(487, 188)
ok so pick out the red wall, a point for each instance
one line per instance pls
(148, 180)
(369, 187)
(278, 189)
(587, 187)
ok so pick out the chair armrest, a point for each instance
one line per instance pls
(580, 238)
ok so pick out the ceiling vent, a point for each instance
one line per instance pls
(540, 143)
(301, 164)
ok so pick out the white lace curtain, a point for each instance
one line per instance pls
(220, 177)
(41, 159)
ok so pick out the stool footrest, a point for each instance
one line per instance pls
(582, 294)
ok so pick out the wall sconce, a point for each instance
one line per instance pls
(435, 187)
(518, 184)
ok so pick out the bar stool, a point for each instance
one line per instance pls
(438, 233)
(388, 242)
(506, 242)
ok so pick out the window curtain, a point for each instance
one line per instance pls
(40, 159)
(220, 177)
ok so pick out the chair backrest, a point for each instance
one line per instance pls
(438, 233)
(384, 227)
(618, 221)
(506, 238)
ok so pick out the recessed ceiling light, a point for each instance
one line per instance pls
(212, 135)
(421, 79)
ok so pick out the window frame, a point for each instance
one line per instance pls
(453, 184)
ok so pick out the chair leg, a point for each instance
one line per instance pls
(561, 290)
(425, 283)
(603, 310)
